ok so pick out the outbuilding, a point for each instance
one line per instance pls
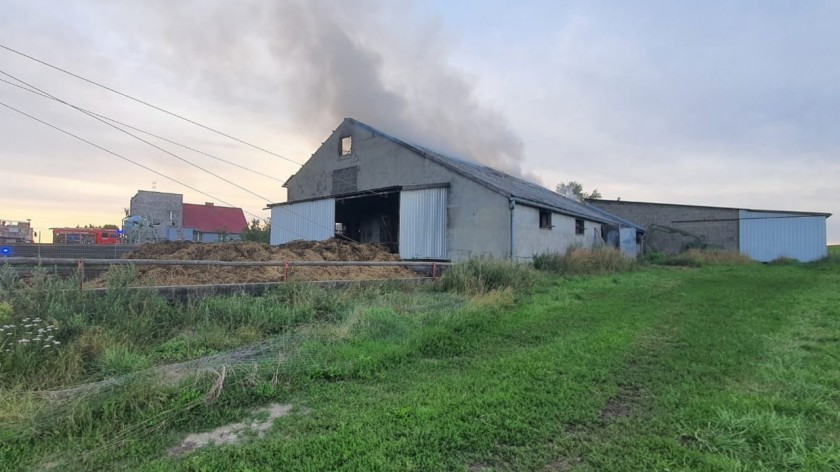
(368, 186)
(763, 235)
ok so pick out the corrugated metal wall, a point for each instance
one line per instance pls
(423, 223)
(312, 221)
(628, 241)
(766, 236)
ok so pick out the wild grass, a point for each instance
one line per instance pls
(579, 261)
(700, 258)
(480, 275)
(729, 367)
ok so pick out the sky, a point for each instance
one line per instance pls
(729, 104)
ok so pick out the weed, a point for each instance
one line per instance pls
(482, 274)
(700, 258)
(578, 260)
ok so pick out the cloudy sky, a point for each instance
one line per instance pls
(712, 103)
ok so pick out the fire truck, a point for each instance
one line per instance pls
(15, 232)
(86, 236)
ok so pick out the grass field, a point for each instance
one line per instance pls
(721, 367)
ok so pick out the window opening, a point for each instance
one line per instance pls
(545, 219)
(346, 146)
(579, 227)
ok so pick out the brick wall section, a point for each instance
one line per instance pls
(718, 226)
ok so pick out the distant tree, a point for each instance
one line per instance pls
(91, 225)
(574, 190)
(257, 231)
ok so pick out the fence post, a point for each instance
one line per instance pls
(285, 271)
(80, 270)
(434, 270)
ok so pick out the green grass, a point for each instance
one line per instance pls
(723, 367)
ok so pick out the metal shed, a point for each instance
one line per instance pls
(766, 236)
(763, 235)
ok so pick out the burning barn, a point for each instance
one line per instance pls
(365, 185)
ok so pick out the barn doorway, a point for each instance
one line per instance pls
(369, 218)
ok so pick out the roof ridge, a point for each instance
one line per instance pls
(539, 196)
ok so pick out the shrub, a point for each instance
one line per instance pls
(483, 274)
(577, 260)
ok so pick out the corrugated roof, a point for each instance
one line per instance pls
(521, 190)
(214, 219)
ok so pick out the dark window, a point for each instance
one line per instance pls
(345, 180)
(579, 227)
(346, 146)
(545, 219)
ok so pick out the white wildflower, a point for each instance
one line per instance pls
(56, 342)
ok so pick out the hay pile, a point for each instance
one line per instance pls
(330, 250)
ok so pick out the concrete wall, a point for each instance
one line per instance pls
(718, 226)
(530, 239)
(157, 206)
(477, 218)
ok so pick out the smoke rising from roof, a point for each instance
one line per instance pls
(327, 60)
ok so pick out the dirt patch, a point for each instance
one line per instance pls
(561, 465)
(232, 433)
(330, 250)
(622, 404)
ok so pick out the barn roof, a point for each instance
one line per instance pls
(518, 189)
(209, 218)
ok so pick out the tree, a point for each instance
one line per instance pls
(258, 231)
(574, 190)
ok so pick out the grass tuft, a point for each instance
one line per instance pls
(700, 258)
(482, 274)
(579, 261)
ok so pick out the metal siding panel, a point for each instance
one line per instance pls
(423, 223)
(311, 221)
(768, 236)
(628, 241)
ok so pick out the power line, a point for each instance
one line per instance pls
(115, 154)
(44, 93)
(47, 96)
(125, 95)
(154, 171)
(138, 138)
(102, 148)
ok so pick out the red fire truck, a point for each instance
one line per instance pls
(85, 236)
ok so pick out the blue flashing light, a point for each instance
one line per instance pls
(6, 251)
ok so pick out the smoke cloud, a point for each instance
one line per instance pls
(382, 64)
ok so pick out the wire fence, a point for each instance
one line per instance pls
(69, 251)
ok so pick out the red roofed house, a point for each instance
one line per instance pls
(174, 220)
(210, 223)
